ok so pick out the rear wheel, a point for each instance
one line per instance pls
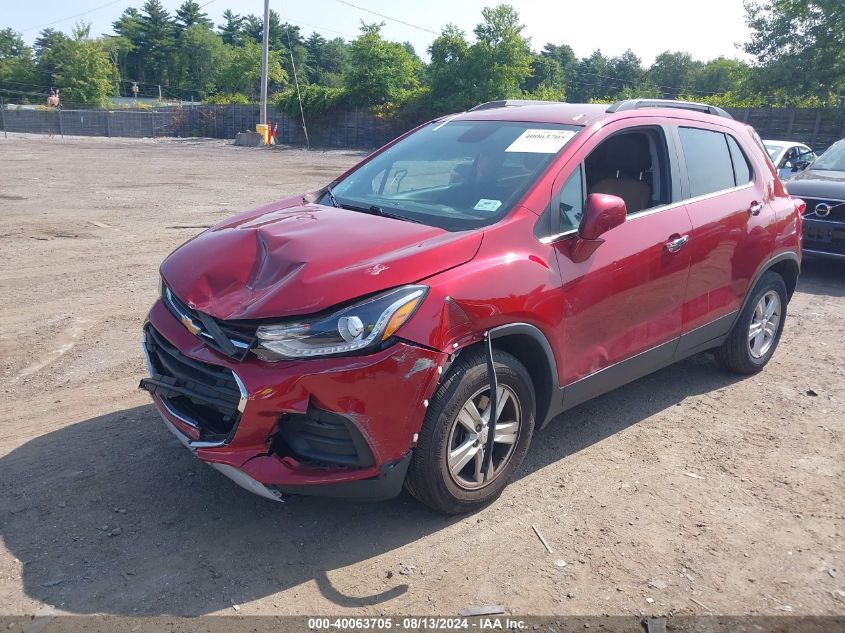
(446, 471)
(756, 334)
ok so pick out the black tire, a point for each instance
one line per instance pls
(735, 353)
(429, 478)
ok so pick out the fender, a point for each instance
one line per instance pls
(765, 267)
(550, 406)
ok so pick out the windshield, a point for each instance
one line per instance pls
(455, 175)
(773, 150)
(833, 159)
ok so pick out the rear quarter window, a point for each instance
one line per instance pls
(742, 168)
(708, 159)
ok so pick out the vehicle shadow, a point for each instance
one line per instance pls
(822, 277)
(113, 515)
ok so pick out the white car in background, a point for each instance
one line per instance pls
(789, 157)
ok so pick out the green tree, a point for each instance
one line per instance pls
(190, 13)
(129, 26)
(565, 57)
(327, 60)
(626, 71)
(590, 78)
(449, 74)
(799, 45)
(253, 28)
(232, 28)
(46, 40)
(498, 65)
(379, 71)
(201, 52)
(118, 48)
(546, 74)
(240, 69)
(500, 60)
(719, 76)
(17, 65)
(157, 40)
(84, 73)
(672, 71)
(292, 40)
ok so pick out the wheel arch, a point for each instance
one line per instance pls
(787, 265)
(530, 347)
(789, 269)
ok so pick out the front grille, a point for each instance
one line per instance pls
(232, 338)
(205, 396)
(837, 209)
(322, 438)
(835, 247)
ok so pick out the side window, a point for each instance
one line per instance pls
(805, 154)
(742, 170)
(632, 165)
(571, 202)
(789, 158)
(709, 165)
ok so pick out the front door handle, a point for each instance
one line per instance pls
(673, 246)
(755, 208)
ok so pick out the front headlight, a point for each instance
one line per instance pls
(350, 329)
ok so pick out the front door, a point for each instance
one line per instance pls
(622, 307)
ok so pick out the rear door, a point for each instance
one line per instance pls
(728, 207)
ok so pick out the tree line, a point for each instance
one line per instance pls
(797, 48)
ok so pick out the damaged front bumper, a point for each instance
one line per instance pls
(334, 426)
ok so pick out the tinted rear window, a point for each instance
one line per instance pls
(708, 160)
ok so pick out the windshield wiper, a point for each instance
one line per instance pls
(333, 200)
(376, 210)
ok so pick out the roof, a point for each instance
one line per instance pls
(566, 113)
(782, 144)
(581, 113)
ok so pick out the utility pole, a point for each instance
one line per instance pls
(265, 52)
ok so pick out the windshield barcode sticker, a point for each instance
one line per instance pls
(487, 205)
(541, 141)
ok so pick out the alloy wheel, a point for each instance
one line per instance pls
(469, 433)
(764, 324)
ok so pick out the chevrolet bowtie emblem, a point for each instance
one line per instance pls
(189, 325)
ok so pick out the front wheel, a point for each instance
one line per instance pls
(757, 331)
(446, 471)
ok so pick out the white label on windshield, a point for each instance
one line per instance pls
(541, 141)
(487, 205)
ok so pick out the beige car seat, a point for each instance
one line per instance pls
(624, 160)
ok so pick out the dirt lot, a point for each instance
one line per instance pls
(690, 491)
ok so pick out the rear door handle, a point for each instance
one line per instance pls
(673, 246)
(755, 208)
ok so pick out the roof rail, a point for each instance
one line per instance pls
(509, 103)
(635, 104)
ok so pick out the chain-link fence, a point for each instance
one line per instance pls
(343, 129)
(352, 129)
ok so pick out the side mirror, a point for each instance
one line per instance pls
(602, 213)
(801, 165)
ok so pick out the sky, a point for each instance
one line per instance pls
(648, 27)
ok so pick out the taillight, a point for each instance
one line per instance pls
(800, 205)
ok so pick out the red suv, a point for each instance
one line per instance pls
(518, 258)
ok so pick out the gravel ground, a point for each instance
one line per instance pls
(688, 492)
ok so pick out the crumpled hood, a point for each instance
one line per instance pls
(305, 258)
